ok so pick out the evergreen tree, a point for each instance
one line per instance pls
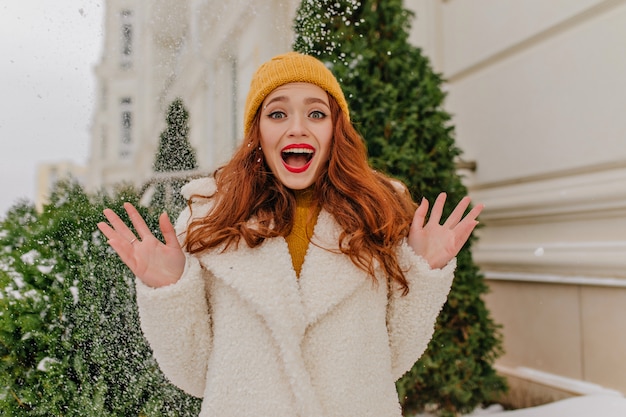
(69, 332)
(174, 154)
(396, 103)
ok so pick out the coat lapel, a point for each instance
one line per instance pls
(264, 277)
(327, 276)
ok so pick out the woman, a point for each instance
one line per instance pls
(299, 282)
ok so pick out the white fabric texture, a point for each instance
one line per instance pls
(242, 331)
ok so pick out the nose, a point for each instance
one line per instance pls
(297, 126)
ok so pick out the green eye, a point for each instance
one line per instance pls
(317, 115)
(277, 115)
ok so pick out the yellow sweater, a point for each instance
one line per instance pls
(304, 221)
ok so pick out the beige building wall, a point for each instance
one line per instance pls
(203, 51)
(48, 174)
(537, 90)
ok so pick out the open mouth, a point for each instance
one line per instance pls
(297, 157)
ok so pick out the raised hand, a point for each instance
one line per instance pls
(155, 263)
(437, 243)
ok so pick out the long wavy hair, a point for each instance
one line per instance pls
(253, 205)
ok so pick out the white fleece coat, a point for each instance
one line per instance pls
(242, 331)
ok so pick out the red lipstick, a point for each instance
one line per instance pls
(300, 149)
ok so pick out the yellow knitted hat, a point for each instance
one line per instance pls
(291, 67)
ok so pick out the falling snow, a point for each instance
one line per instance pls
(101, 321)
(45, 363)
(313, 29)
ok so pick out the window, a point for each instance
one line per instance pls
(126, 59)
(103, 95)
(126, 123)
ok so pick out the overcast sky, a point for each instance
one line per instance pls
(48, 50)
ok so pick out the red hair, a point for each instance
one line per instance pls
(373, 214)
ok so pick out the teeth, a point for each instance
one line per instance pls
(299, 150)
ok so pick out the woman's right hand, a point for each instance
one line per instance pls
(154, 263)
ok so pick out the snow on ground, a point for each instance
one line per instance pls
(583, 406)
(596, 405)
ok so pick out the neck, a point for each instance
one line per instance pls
(304, 197)
(304, 219)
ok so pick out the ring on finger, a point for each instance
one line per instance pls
(133, 240)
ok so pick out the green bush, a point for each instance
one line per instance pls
(396, 102)
(70, 340)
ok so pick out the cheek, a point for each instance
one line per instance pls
(268, 136)
(326, 144)
(268, 147)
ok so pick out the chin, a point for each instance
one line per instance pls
(297, 185)
(297, 181)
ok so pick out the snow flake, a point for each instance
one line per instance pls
(45, 269)
(44, 364)
(74, 291)
(30, 257)
(19, 281)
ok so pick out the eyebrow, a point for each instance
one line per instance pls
(312, 100)
(309, 100)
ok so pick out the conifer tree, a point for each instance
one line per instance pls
(396, 102)
(174, 154)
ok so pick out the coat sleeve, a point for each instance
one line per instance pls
(175, 319)
(411, 318)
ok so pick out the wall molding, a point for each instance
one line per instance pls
(566, 259)
(568, 385)
(555, 279)
(617, 165)
(572, 194)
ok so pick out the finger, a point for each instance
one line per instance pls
(463, 232)
(121, 229)
(464, 229)
(138, 222)
(474, 212)
(107, 230)
(420, 214)
(457, 213)
(119, 243)
(124, 250)
(437, 211)
(169, 233)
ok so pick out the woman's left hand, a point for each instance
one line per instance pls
(437, 243)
